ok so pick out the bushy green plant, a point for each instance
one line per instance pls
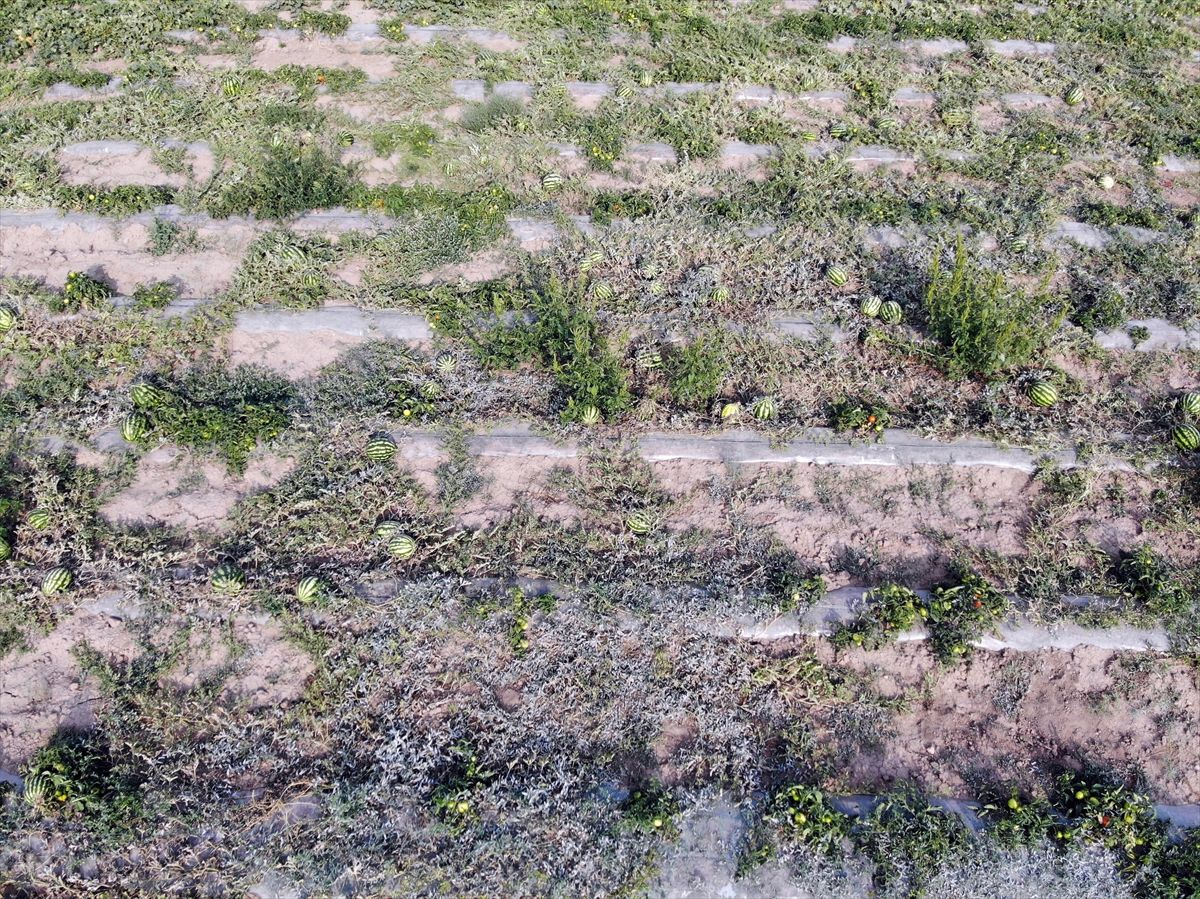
(1149, 580)
(77, 775)
(891, 610)
(958, 615)
(805, 815)
(1019, 822)
(984, 327)
(497, 111)
(82, 291)
(225, 411)
(909, 839)
(650, 808)
(157, 295)
(696, 372)
(1109, 814)
(285, 179)
(868, 418)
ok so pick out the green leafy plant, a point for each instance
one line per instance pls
(157, 295)
(82, 291)
(909, 839)
(806, 815)
(285, 179)
(958, 615)
(1020, 822)
(1111, 815)
(77, 775)
(227, 411)
(453, 798)
(983, 327)
(867, 418)
(650, 808)
(696, 372)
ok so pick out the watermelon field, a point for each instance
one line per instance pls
(599, 448)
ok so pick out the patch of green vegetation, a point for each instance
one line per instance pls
(157, 295)
(378, 379)
(555, 326)
(286, 179)
(607, 206)
(119, 202)
(984, 328)
(453, 797)
(496, 112)
(696, 372)
(79, 775)
(81, 291)
(333, 23)
(227, 412)
(866, 418)
(805, 814)
(418, 138)
(908, 839)
(650, 809)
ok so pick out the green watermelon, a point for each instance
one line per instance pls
(402, 547)
(887, 124)
(837, 276)
(840, 131)
(890, 313)
(1042, 394)
(649, 357)
(8, 318)
(640, 523)
(309, 589)
(956, 118)
(870, 306)
(731, 411)
(624, 92)
(591, 260)
(228, 578)
(386, 530)
(345, 138)
(39, 519)
(135, 427)
(147, 396)
(552, 181)
(5, 549)
(590, 415)
(57, 580)
(1187, 438)
(1189, 403)
(763, 408)
(445, 363)
(381, 449)
(1074, 95)
(603, 291)
(720, 294)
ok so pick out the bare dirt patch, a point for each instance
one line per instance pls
(1006, 716)
(177, 488)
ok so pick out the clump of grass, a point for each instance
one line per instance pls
(76, 775)
(228, 412)
(984, 328)
(497, 111)
(286, 179)
(696, 372)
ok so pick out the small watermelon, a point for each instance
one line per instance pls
(552, 181)
(147, 396)
(402, 547)
(639, 523)
(590, 415)
(309, 588)
(57, 580)
(445, 363)
(134, 427)
(1042, 394)
(649, 357)
(624, 92)
(381, 449)
(1187, 438)
(840, 131)
(231, 87)
(720, 294)
(837, 276)
(870, 306)
(730, 411)
(431, 390)
(37, 788)
(227, 578)
(386, 530)
(647, 79)
(591, 260)
(1189, 404)
(887, 124)
(5, 549)
(8, 318)
(602, 291)
(956, 118)
(1106, 182)
(1074, 95)
(345, 139)
(890, 313)
(1017, 243)
(763, 408)
(39, 519)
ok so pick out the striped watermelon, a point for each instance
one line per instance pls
(870, 306)
(1189, 403)
(552, 181)
(956, 118)
(57, 580)
(603, 291)
(590, 415)
(228, 578)
(1187, 438)
(402, 547)
(135, 427)
(890, 313)
(837, 276)
(639, 523)
(1042, 394)
(309, 589)
(8, 318)
(1074, 95)
(381, 449)
(624, 92)
(5, 549)
(887, 124)
(591, 260)
(731, 411)
(147, 396)
(649, 357)
(720, 294)
(763, 408)
(445, 363)
(386, 530)
(39, 519)
(840, 131)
